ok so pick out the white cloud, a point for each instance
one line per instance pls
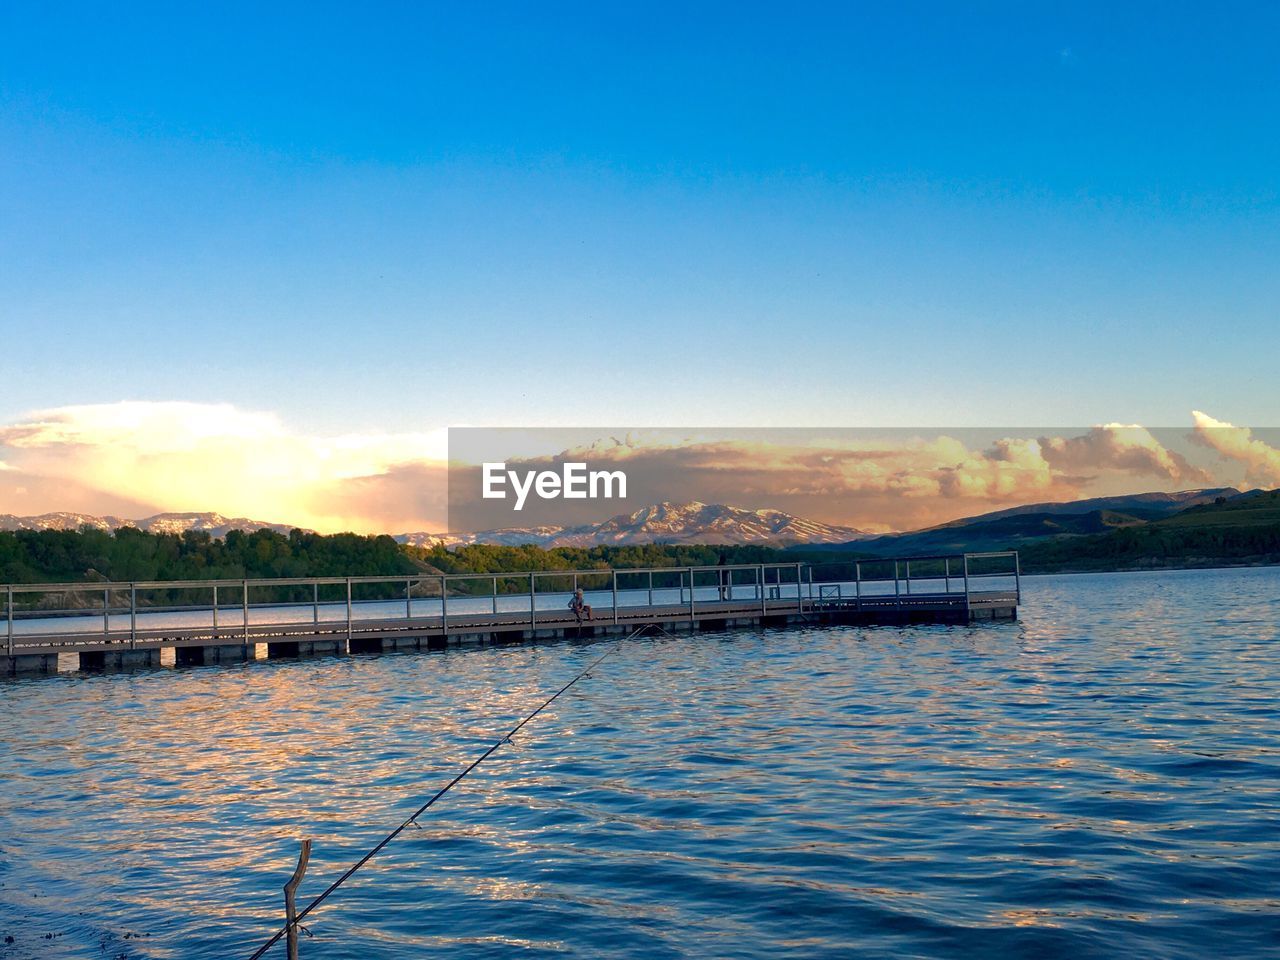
(1117, 446)
(189, 456)
(1261, 460)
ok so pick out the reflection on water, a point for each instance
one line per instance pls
(1100, 780)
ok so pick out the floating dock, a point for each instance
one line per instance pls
(138, 625)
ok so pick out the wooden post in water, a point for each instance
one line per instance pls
(533, 607)
(215, 610)
(691, 597)
(444, 607)
(106, 613)
(348, 610)
(133, 616)
(8, 611)
(615, 596)
(245, 607)
(290, 906)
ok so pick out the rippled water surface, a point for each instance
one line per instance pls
(1101, 779)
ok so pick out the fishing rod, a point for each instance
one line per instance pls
(411, 821)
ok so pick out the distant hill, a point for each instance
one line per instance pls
(1018, 527)
(1240, 529)
(1156, 504)
(662, 523)
(1002, 533)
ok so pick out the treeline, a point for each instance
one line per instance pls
(36, 556)
(1156, 546)
(486, 558)
(88, 556)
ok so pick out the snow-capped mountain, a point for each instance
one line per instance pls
(512, 537)
(62, 521)
(215, 524)
(662, 523)
(705, 523)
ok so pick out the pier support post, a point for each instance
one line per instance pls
(120, 659)
(444, 607)
(206, 655)
(28, 663)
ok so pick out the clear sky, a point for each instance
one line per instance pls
(396, 217)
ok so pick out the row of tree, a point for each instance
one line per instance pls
(36, 556)
(88, 556)
(1156, 545)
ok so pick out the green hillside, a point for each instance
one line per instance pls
(1261, 507)
(1241, 530)
(1002, 533)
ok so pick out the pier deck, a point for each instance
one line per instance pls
(116, 625)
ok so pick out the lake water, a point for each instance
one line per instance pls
(1100, 779)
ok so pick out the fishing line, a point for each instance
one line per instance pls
(411, 821)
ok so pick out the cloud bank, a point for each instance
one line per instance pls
(133, 459)
(1261, 460)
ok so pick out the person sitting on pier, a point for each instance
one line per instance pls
(579, 606)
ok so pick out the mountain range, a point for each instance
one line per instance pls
(215, 524)
(663, 523)
(716, 524)
(1036, 522)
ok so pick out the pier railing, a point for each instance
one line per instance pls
(246, 610)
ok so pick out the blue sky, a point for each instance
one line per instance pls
(401, 216)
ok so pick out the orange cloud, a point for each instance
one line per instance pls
(198, 457)
(1261, 460)
(891, 484)
(1117, 446)
(133, 459)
